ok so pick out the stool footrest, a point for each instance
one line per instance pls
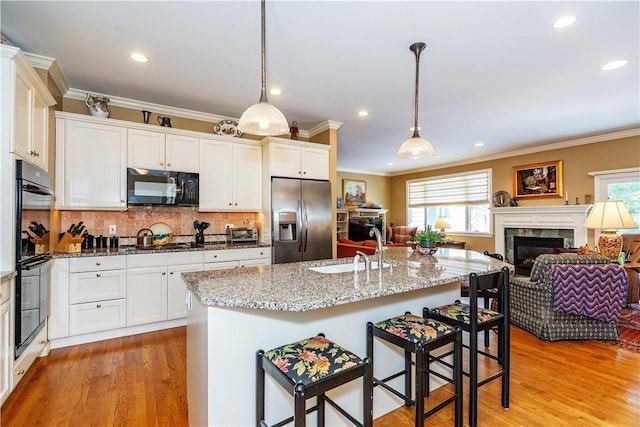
(377, 382)
(342, 411)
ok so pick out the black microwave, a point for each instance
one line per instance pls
(158, 187)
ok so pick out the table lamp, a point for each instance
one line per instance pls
(441, 223)
(609, 216)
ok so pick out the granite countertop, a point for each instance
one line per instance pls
(132, 250)
(294, 287)
(7, 275)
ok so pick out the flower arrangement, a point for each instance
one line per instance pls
(427, 238)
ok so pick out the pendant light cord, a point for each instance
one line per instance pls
(417, 48)
(263, 94)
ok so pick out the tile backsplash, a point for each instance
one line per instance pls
(181, 219)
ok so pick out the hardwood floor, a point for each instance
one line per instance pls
(140, 381)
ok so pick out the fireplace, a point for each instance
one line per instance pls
(526, 249)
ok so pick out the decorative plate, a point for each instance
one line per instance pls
(501, 199)
(227, 127)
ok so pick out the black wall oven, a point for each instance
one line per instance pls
(33, 257)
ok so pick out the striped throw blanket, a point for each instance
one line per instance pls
(598, 291)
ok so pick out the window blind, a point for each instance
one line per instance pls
(466, 188)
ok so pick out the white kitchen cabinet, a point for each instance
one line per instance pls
(154, 279)
(91, 165)
(296, 159)
(236, 258)
(230, 177)
(25, 106)
(157, 150)
(5, 340)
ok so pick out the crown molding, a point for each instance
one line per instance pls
(52, 67)
(529, 150)
(324, 126)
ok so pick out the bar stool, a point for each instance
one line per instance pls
(309, 368)
(474, 320)
(419, 335)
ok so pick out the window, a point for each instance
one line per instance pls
(461, 198)
(620, 185)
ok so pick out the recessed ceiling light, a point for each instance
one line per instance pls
(614, 64)
(390, 164)
(363, 113)
(275, 91)
(138, 57)
(478, 144)
(564, 22)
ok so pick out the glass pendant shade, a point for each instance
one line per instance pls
(416, 147)
(263, 119)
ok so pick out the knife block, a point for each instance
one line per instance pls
(69, 244)
(41, 244)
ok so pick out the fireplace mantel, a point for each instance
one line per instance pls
(562, 216)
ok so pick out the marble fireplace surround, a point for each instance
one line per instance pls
(562, 217)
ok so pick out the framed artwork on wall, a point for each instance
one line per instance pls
(355, 192)
(538, 180)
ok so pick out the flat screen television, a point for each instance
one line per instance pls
(359, 228)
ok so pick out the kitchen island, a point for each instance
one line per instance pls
(233, 313)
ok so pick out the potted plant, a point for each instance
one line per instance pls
(428, 237)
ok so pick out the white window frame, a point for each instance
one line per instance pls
(602, 180)
(488, 171)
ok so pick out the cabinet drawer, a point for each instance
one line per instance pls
(237, 254)
(162, 260)
(96, 263)
(97, 286)
(94, 317)
(220, 265)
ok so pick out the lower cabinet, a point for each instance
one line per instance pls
(236, 258)
(5, 349)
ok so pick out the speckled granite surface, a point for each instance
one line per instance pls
(6, 275)
(293, 287)
(131, 250)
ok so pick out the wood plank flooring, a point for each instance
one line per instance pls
(140, 381)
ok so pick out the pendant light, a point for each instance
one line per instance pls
(263, 118)
(416, 147)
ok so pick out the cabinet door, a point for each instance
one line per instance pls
(177, 290)
(146, 295)
(284, 160)
(5, 352)
(182, 153)
(315, 163)
(91, 166)
(247, 177)
(145, 149)
(216, 168)
(22, 117)
(40, 132)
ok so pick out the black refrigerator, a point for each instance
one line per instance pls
(301, 220)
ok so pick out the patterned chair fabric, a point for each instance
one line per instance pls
(415, 328)
(531, 304)
(312, 359)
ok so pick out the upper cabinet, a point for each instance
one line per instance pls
(25, 107)
(296, 159)
(157, 150)
(231, 176)
(91, 162)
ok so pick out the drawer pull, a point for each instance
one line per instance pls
(168, 164)
(98, 275)
(98, 263)
(43, 342)
(98, 305)
(161, 164)
(171, 272)
(20, 372)
(164, 273)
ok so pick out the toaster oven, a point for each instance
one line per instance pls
(242, 235)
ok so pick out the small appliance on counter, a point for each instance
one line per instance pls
(242, 235)
(200, 227)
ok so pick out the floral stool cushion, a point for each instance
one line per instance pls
(312, 359)
(460, 313)
(415, 328)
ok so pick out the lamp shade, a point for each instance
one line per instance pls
(609, 215)
(415, 147)
(263, 119)
(441, 223)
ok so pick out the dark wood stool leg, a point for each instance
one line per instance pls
(320, 411)
(299, 412)
(259, 388)
(407, 378)
(457, 377)
(367, 394)
(420, 381)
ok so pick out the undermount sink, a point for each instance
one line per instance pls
(345, 268)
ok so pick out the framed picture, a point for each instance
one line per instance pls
(538, 180)
(355, 192)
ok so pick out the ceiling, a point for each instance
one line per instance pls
(492, 72)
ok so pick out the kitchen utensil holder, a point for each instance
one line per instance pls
(69, 244)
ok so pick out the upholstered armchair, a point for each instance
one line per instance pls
(631, 243)
(399, 234)
(535, 307)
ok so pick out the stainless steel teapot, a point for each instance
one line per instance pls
(145, 238)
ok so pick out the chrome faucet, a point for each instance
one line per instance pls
(367, 263)
(375, 232)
